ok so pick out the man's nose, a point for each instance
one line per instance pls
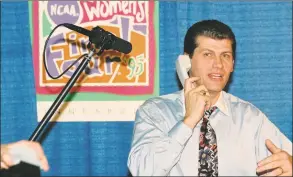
(218, 62)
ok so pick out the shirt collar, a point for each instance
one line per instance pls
(221, 104)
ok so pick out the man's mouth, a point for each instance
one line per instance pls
(215, 76)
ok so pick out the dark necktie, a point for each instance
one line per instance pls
(208, 154)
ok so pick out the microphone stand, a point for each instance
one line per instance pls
(35, 135)
(100, 42)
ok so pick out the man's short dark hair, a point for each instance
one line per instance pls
(208, 28)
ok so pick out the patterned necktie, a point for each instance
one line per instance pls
(208, 154)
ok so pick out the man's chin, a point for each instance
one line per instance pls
(215, 89)
(215, 86)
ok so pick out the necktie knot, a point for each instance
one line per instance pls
(209, 112)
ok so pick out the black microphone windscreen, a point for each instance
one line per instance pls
(95, 37)
(122, 46)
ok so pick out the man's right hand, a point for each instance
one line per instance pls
(197, 100)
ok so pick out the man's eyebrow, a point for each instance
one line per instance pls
(203, 49)
(227, 52)
(206, 49)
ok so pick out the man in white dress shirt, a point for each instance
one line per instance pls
(167, 128)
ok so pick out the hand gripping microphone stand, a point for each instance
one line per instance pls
(97, 44)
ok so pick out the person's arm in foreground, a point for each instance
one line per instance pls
(6, 160)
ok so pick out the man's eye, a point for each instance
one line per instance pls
(227, 56)
(207, 54)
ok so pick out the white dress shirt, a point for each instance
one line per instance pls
(163, 145)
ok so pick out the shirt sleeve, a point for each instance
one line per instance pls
(267, 130)
(154, 152)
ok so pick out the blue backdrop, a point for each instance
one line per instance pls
(263, 76)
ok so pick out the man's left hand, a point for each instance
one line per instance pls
(278, 164)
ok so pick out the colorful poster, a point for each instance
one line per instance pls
(114, 84)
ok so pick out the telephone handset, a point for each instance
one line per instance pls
(183, 66)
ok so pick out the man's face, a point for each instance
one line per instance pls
(213, 61)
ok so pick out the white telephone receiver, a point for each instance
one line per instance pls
(183, 65)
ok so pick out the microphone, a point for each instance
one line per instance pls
(98, 35)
